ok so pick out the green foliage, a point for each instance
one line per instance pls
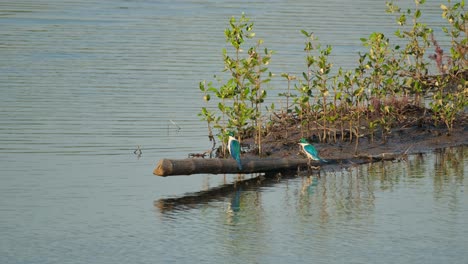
(288, 94)
(314, 83)
(412, 63)
(448, 101)
(242, 95)
(446, 105)
(381, 80)
(458, 31)
(353, 103)
(302, 102)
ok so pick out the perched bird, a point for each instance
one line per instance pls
(310, 151)
(234, 149)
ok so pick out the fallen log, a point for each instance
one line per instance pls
(172, 167)
(169, 167)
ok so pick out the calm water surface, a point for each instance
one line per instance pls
(84, 82)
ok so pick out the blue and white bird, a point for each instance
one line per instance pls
(310, 150)
(234, 149)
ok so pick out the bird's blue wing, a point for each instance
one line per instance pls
(235, 152)
(311, 150)
(235, 149)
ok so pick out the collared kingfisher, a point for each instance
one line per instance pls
(310, 151)
(234, 149)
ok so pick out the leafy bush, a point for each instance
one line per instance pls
(388, 80)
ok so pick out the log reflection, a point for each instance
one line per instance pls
(193, 200)
(345, 190)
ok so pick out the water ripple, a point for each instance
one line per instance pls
(84, 82)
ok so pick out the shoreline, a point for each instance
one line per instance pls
(400, 141)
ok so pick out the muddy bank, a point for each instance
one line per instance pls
(405, 140)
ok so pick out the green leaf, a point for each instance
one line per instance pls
(418, 13)
(297, 110)
(221, 107)
(305, 33)
(398, 33)
(212, 89)
(202, 86)
(402, 20)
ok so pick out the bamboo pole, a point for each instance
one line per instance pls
(171, 167)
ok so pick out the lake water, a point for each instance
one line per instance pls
(84, 82)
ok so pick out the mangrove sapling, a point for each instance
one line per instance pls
(372, 126)
(360, 82)
(334, 115)
(449, 101)
(235, 65)
(371, 75)
(346, 101)
(316, 77)
(447, 104)
(320, 82)
(413, 64)
(288, 95)
(303, 106)
(376, 59)
(256, 67)
(241, 97)
(247, 74)
(458, 31)
(382, 70)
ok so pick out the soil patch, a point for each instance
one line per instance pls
(407, 139)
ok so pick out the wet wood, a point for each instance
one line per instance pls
(171, 167)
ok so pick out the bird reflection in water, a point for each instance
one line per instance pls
(234, 205)
(309, 184)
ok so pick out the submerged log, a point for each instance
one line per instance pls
(168, 167)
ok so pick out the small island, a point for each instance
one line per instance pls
(389, 106)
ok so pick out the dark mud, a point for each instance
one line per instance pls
(407, 139)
